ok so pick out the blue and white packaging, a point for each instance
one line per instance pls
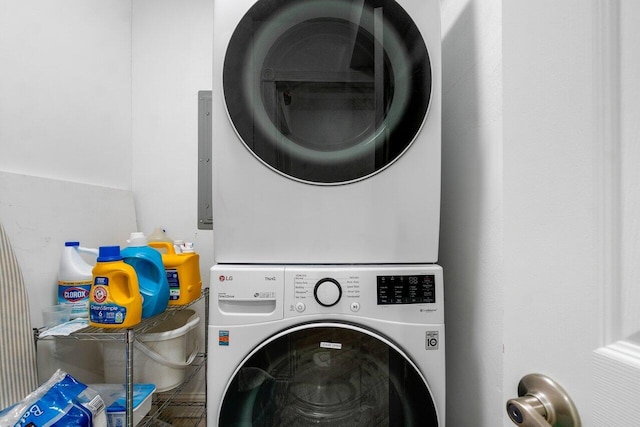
(114, 396)
(61, 401)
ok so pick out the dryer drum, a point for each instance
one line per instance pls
(328, 376)
(327, 92)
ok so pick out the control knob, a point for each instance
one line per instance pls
(327, 292)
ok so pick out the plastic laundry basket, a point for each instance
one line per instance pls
(161, 355)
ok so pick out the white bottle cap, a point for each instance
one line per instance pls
(137, 239)
(187, 248)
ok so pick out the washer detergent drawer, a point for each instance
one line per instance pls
(244, 295)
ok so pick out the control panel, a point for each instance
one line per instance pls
(406, 289)
(250, 294)
(408, 292)
(327, 290)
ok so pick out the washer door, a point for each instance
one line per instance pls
(328, 374)
(327, 91)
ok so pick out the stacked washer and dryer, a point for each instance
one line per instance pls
(327, 305)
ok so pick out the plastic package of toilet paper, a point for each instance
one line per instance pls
(61, 401)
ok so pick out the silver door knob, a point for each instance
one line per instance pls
(542, 403)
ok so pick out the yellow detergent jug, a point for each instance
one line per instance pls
(115, 300)
(183, 273)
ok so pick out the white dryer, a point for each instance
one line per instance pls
(326, 346)
(326, 124)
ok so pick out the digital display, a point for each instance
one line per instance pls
(411, 289)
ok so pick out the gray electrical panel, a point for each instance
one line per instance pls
(205, 139)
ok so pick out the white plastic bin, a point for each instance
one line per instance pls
(161, 355)
(114, 396)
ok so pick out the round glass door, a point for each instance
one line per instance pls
(327, 375)
(328, 91)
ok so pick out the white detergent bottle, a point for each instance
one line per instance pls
(75, 277)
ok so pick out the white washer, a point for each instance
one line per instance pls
(326, 124)
(326, 346)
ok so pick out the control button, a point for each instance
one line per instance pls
(327, 292)
(355, 306)
(300, 307)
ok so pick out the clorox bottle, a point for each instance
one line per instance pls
(115, 300)
(152, 279)
(74, 279)
(183, 272)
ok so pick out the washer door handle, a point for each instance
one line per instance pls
(542, 403)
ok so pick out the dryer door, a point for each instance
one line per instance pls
(328, 374)
(328, 91)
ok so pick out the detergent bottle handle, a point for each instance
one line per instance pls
(91, 251)
(132, 287)
(164, 245)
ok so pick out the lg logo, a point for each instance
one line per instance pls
(431, 340)
(225, 278)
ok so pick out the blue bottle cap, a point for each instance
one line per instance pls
(109, 253)
(72, 243)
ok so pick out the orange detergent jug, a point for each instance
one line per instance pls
(183, 273)
(114, 300)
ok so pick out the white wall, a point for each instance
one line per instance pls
(172, 61)
(105, 93)
(472, 219)
(65, 90)
(65, 113)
